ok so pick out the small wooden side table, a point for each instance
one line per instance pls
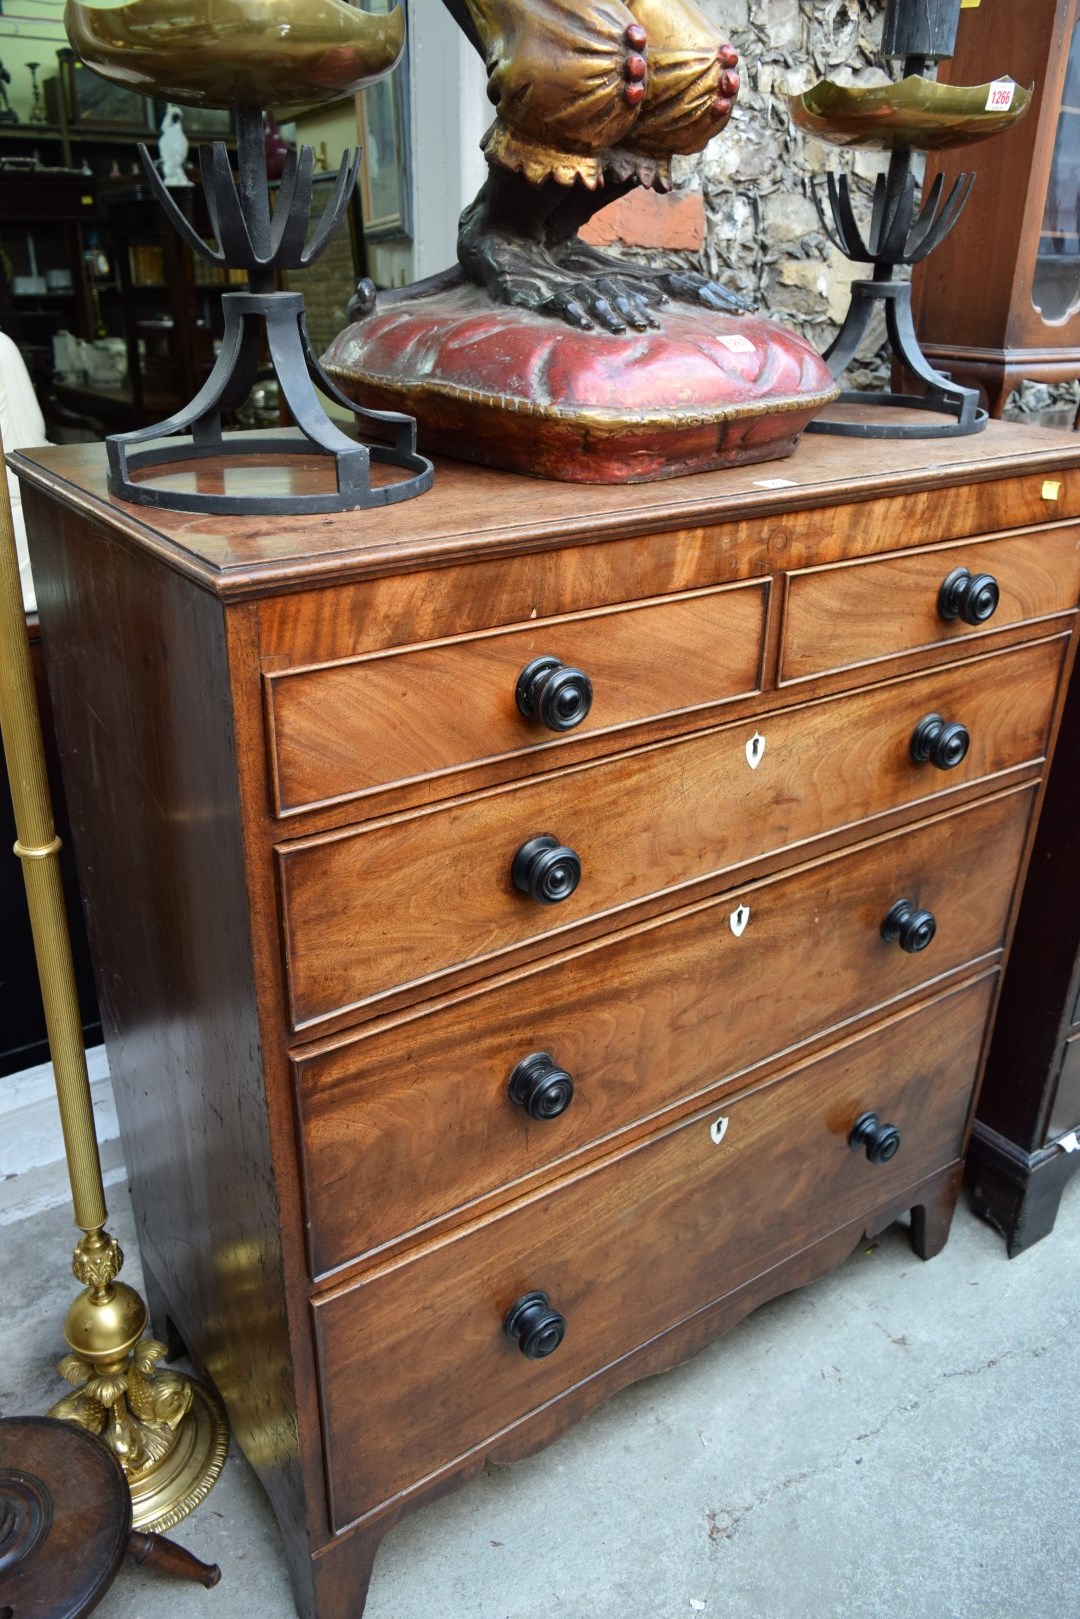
(65, 1523)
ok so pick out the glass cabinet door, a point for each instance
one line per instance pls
(1056, 286)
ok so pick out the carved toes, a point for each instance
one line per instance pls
(690, 287)
(608, 302)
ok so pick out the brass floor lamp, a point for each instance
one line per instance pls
(168, 1431)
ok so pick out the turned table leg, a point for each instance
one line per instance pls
(168, 1558)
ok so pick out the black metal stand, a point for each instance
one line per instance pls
(248, 238)
(896, 236)
(942, 396)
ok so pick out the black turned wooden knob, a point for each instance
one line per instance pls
(943, 742)
(538, 1328)
(557, 696)
(541, 1088)
(881, 1141)
(908, 927)
(971, 596)
(546, 870)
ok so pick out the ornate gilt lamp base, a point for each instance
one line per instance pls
(169, 1433)
(173, 1484)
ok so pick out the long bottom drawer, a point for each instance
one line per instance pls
(415, 1365)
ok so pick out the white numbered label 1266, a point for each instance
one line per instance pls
(735, 343)
(1000, 95)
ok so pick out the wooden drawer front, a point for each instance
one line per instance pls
(347, 729)
(857, 612)
(404, 900)
(356, 616)
(347, 620)
(413, 1122)
(1065, 1114)
(628, 1249)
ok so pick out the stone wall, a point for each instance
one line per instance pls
(744, 209)
(762, 234)
(762, 231)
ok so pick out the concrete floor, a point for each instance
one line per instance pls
(900, 1439)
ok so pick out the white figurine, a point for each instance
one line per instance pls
(173, 147)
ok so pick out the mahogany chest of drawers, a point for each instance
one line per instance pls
(536, 924)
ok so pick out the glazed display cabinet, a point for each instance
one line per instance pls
(999, 301)
(1026, 1143)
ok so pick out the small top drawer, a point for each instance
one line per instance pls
(851, 613)
(346, 729)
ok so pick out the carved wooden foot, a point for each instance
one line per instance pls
(931, 1218)
(340, 1578)
(519, 242)
(1018, 1192)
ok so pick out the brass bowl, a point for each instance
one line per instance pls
(228, 53)
(914, 113)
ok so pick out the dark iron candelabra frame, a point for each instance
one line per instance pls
(915, 32)
(897, 235)
(248, 237)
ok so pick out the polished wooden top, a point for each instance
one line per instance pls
(476, 512)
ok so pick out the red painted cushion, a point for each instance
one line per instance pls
(512, 388)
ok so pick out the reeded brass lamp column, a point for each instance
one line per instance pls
(168, 1432)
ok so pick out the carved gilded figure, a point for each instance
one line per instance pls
(592, 98)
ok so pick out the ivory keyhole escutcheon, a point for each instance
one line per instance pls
(718, 1129)
(755, 750)
(738, 920)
